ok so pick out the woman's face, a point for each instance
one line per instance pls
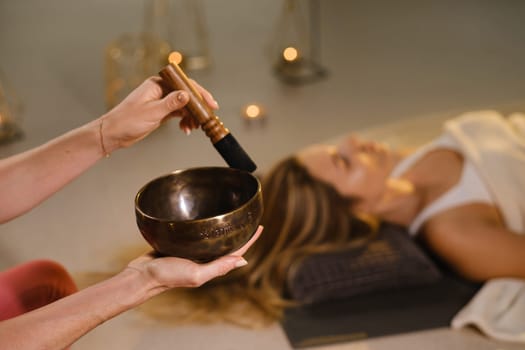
(355, 168)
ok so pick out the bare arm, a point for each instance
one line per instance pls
(479, 248)
(29, 178)
(61, 323)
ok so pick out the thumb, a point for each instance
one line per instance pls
(172, 102)
(221, 267)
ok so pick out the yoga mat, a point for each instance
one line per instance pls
(377, 314)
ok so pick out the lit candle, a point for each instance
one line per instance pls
(290, 54)
(253, 112)
(291, 62)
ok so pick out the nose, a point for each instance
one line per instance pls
(353, 143)
(356, 143)
(347, 145)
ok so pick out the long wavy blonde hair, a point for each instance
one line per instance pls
(302, 216)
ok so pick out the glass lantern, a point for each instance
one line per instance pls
(182, 24)
(295, 51)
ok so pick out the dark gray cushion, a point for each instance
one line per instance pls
(390, 260)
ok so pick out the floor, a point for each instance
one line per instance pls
(394, 68)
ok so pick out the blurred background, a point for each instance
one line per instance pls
(384, 61)
(358, 65)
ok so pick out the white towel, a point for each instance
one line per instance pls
(496, 146)
(498, 310)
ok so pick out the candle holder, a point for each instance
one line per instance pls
(182, 24)
(129, 60)
(297, 43)
(253, 114)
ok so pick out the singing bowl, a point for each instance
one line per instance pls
(199, 213)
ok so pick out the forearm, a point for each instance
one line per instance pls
(29, 178)
(61, 323)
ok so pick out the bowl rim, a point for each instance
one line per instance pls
(248, 202)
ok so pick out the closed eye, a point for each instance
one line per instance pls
(340, 161)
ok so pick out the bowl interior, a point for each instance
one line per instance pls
(196, 194)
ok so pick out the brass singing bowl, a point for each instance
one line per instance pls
(199, 213)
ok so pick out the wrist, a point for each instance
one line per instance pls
(108, 142)
(141, 286)
(103, 147)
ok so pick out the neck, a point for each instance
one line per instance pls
(400, 203)
(402, 199)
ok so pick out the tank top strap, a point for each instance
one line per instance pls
(470, 188)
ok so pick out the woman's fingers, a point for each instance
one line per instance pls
(206, 95)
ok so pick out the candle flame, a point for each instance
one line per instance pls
(253, 111)
(290, 54)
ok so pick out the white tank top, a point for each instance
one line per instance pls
(469, 189)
